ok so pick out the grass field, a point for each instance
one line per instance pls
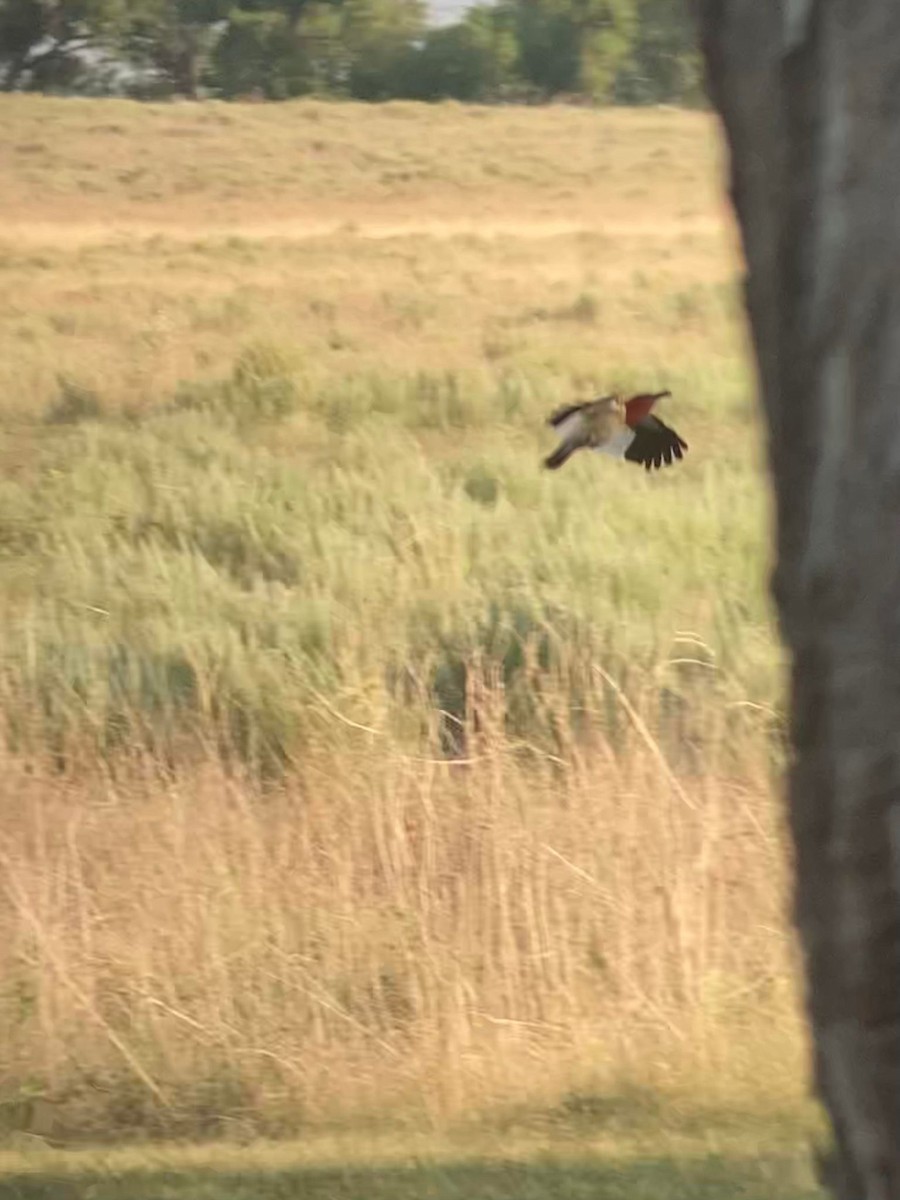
(554, 1154)
(354, 767)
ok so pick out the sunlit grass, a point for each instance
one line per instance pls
(350, 495)
(354, 763)
(570, 1152)
(317, 163)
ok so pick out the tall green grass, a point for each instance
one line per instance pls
(210, 566)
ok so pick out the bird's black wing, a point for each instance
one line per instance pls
(654, 443)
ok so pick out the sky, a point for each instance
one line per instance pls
(445, 12)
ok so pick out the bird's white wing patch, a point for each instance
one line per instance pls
(571, 427)
(618, 443)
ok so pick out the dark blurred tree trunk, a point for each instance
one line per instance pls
(809, 91)
(185, 70)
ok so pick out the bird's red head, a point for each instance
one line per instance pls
(639, 407)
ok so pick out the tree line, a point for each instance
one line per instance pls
(625, 51)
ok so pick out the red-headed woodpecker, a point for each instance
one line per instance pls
(623, 428)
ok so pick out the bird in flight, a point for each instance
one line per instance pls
(612, 425)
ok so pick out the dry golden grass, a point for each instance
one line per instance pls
(385, 938)
(97, 166)
(355, 768)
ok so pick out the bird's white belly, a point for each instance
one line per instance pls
(617, 444)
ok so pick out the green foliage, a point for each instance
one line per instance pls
(290, 10)
(377, 37)
(469, 61)
(606, 30)
(575, 46)
(176, 38)
(259, 52)
(664, 62)
(634, 51)
(39, 41)
(548, 47)
(276, 49)
(493, 34)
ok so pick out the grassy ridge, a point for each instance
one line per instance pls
(557, 1153)
(352, 762)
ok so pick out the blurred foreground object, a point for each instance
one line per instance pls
(809, 97)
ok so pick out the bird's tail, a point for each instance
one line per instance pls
(555, 460)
